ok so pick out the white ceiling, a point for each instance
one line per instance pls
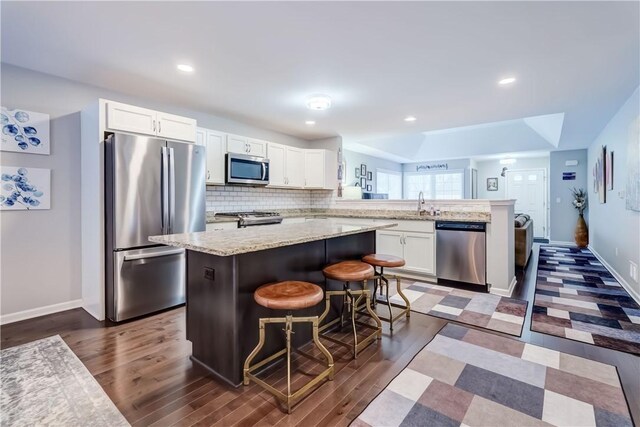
(379, 61)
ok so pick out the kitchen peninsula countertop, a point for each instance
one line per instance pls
(253, 239)
(461, 216)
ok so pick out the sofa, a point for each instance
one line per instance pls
(523, 239)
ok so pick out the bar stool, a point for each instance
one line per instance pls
(391, 261)
(347, 272)
(289, 295)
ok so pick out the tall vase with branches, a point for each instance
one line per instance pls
(581, 234)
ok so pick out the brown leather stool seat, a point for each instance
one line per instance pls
(349, 271)
(289, 295)
(381, 260)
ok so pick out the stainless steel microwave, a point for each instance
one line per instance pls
(249, 170)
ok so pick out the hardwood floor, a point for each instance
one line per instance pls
(144, 368)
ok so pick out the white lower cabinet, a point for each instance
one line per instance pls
(417, 248)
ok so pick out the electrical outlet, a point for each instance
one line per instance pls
(209, 273)
(633, 270)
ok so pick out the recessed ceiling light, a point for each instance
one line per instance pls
(310, 122)
(410, 119)
(507, 81)
(186, 68)
(319, 102)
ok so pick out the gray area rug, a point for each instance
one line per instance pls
(44, 383)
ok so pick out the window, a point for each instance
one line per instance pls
(435, 185)
(389, 182)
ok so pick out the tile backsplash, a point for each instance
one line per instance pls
(239, 198)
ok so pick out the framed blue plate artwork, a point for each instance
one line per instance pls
(24, 188)
(25, 131)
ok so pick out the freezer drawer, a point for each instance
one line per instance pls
(146, 280)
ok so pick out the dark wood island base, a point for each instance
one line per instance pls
(222, 317)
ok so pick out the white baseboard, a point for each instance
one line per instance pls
(561, 243)
(40, 311)
(504, 292)
(634, 294)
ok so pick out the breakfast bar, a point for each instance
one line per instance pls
(224, 268)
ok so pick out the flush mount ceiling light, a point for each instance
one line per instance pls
(319, 102)
(186, 68)
(507, 161)
(506, 81)
(410, 119)
(310, 123)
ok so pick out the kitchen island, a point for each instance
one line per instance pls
(224, 268)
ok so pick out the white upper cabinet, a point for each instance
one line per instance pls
(257, 147)
(276, 154)
(320, 169)
(237, 144)
(129, 118)
(216, 150)
(243, 145)
(171, 126)
(294, 167)
(286, 166)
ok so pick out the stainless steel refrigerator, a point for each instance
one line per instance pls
(152, 186)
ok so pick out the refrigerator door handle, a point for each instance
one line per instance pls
(172, 190)
(164, 179)
(155, 255)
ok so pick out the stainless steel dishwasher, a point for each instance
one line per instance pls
(461, 252)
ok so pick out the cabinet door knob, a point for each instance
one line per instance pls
(208, 174)
(159, 126)
(154, 125)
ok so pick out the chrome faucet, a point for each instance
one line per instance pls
(420, 203)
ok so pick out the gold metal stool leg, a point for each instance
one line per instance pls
(404, 297)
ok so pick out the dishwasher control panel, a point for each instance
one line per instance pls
(461, 226)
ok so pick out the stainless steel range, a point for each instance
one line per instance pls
(249, 219)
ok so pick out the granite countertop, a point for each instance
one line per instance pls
(462, 216)
(253, 239)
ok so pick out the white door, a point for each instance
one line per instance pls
(237, 144)
(294, 167)
(130, 118)
(529, 189)
(389, 243)
(256, 147)
(314, 168)
(176, 127)
(215, 157)
(276, 155)
(419, 252)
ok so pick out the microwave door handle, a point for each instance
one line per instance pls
(164, 184)
(172, 190)
(264, 171)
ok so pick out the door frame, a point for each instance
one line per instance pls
(545, 189)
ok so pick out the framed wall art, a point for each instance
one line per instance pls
(492, 184)
(363, 170)
(25, 132)
(24, 188)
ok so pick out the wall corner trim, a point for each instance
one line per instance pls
(39, 311)
(635, 295)
(502, 292)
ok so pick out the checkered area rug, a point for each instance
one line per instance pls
(578, 298)
(484, 310)
(473, 378)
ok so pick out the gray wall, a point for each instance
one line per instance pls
(563, 215)
(41, 249)
(354, 160)
(611, 224)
